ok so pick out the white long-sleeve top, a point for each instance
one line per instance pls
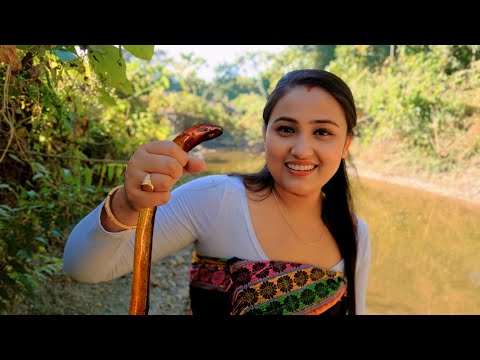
(211, 212)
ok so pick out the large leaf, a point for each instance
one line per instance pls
(105, 98)
(109, 65)
(65, 55)
(144, 52)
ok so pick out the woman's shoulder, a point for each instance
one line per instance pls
(362, 227)
(213, 183)
(211, 191)
(363, 237)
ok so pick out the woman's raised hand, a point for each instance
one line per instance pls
(167, 163)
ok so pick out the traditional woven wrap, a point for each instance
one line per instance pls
(263, 287)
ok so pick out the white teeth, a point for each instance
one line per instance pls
(300, 167)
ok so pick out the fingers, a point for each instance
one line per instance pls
(166, 162)
(138, 199)
(160, 164)
(166, 148)
(162, 182)
(164, 157)
(195, 165)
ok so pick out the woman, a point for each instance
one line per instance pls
(281, 241)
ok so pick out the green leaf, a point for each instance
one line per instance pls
(108, 64)
(4, 214)
(40, 168)
(57, 233)
(88, 177)
(70, 48)
(119, 172)
(14, 157)
(42, 239)
(27, 282)
(5, 186)
(36, 176)
(105, 98)
(110, 172)
(103, 169)
(144, 52)
(65, 55)
(32, 193)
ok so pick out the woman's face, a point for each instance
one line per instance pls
(305, 140)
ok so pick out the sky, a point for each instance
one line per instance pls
(215, 54)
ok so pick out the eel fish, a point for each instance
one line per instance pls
(187, 140)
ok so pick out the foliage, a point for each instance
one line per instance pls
(322, 54)
(131, 121)
(229, 83)
(413, 98)
(181, 110)
(292, 58)
(33, 230)
(51, 99)
(247, 122)
(185, 74)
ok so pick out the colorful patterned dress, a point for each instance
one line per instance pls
(242, 287)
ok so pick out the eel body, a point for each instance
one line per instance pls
(139, 303)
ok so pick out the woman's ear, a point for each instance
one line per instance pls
(348, 141)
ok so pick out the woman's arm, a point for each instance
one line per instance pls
(98, 248)
(93, 254)
(362, 270)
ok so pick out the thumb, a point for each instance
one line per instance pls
(195, 165)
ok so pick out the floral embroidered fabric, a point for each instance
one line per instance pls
(243, 287)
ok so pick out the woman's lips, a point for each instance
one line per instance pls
(300, 169)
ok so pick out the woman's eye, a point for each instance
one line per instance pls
(285, 129)
(322, 132)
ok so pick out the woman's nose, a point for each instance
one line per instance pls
(302, 148)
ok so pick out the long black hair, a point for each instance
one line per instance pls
(338, 210)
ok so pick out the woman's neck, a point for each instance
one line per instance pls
(299, 203)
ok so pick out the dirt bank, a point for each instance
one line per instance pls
(464, 187)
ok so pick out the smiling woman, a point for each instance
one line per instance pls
(284, 240)
(308, 129)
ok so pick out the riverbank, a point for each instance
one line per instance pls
(382, 163)
(468, 190)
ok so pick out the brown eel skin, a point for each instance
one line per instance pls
(142, 257)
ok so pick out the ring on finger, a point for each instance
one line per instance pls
(147, 184)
